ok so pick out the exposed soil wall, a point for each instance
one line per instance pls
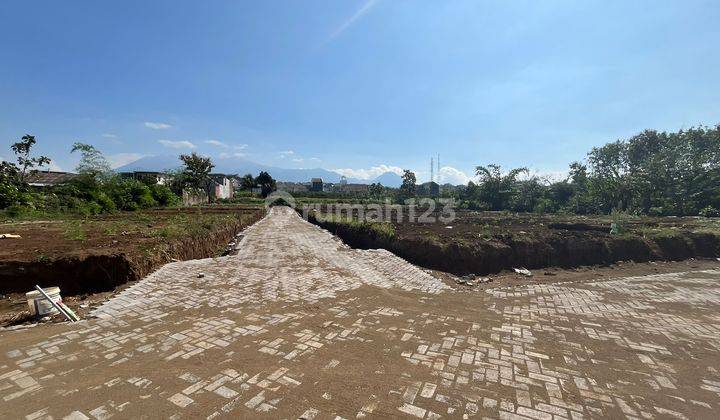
(103, 272)
(570, 248)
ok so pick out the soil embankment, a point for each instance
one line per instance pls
(469, 251)
(92, 266)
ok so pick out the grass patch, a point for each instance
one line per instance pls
(74, 230)
(383, 230)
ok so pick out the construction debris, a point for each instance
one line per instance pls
(9, 236)
(61, 307)
(472, 280)
(524, 271)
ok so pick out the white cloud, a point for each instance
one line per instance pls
(121, 159)
(224, 155)
(157, 125)
(362, 11)
(177, 144)
(316, 159)
(548, 174)
(298, 160)
(52, 167)
(370, 173)
(450, 175)
(240, 146)
(216, 143)
(286, 153)
(109, 136)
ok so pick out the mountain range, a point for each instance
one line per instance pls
(243, 166)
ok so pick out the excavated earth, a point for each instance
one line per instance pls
(299, 325)
(113, 250)
(488, 242)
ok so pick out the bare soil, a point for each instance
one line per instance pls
(90, 257)
(489, 242)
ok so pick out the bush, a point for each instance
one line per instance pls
(163, 195)
(16, 210)
(106, 203)
(545, 205)
(130, 194)
(710, 211)
(656, 211)
(9, 195)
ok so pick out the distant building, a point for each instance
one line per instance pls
(220, 187)
(235, 182)
(49, 178)
(316, 184)
(148, 177)
(343, 180)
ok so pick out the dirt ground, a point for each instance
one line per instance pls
(473, 227)
(91, 258)
(489, 242)
(124, 232)
(298, 325)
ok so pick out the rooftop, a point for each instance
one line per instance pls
(49, 178)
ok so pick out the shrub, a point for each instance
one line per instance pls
(382, 230)
(163, 195)
(9, 194)
(545, 205)
(710, 211)
(656, 211)
(130, 194)
(16, 210)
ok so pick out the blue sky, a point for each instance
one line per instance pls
(360, 86)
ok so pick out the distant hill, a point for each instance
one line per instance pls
(389, 179)
(238, 166)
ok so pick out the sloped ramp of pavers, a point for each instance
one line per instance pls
(281, 257)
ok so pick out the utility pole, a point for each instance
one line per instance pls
(438, 181)
(432, 168)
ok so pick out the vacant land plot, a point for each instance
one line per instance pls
(297, 325)
(487, 242)
(89, 255)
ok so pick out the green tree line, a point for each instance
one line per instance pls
(95, 190)
(655, 173)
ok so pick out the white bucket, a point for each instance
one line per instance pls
(39, 305)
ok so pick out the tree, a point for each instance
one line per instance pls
(497, 189)
(247, 182)
(408, 183)
(578, 174)
(197, 170)
(610, 181)
(376, 189)
(266, 183)
(92, 162)
(27, 163)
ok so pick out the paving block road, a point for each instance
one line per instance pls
(298, 325)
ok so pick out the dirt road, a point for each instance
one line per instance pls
(298, 325)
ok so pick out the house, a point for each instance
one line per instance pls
(49, 178)
(236, 183)
(148, 177)
(316, 184)
(220, 187)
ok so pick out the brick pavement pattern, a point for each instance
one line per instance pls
(297, 325)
